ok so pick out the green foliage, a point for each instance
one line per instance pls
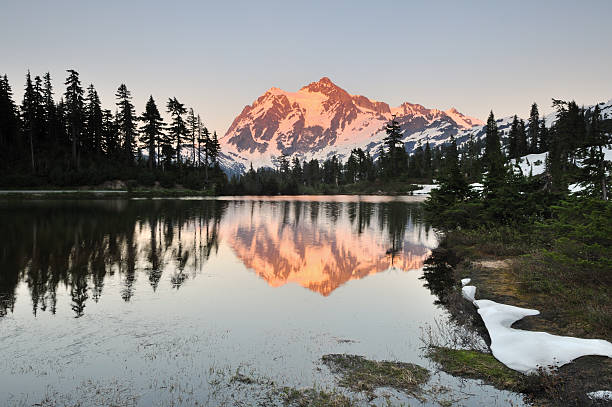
(580, 233)
(477, 365)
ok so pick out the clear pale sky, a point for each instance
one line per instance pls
(220, 56)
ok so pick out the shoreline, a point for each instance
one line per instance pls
(498, 273)
(161, 193)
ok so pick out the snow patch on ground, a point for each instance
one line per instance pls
(425, 189)
(469, 292)
(533, 164)
(605, 395)
(526, 351)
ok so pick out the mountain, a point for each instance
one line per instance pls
(322, 119)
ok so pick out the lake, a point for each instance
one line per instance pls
(163, 301)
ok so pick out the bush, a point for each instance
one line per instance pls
(146, 179)
(167, 181)
(193, 181)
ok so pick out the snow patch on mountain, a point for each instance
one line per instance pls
(322, 119)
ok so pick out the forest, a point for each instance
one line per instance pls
(75, 141)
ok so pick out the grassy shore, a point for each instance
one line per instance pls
(531, 267)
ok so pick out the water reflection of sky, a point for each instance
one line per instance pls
(169, 292)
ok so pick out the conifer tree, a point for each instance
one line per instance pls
(29, 109)
(595, 168)
(151, 130)
(49, 108)
(192, 123)
(110, 142)
(522, 146)
(93, 121)
(494, 160)
(126, 120)
(542, 137)
(206, 142)
(513, 142)
(533, 125)
(74, 113)
(9, 122)
(215, 148)
(178, 129)
(393, 141)
(296, 170)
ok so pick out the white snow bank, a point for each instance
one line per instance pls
(477, 186)
(605, 395)
(425, 189)
(532, 163)
(469, 292)
(573, 188)
(526, 351)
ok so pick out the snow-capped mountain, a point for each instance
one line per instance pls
(322, 119)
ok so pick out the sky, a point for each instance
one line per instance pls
(219, 56)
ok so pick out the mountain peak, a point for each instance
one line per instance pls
(322, 119)
(322, 85)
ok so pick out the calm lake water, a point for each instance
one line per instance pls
(161, 302)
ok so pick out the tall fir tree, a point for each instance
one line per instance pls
(192, 123)
(74, 112)
(152, 130)
(93, 122)
(594, 167)
(126, 119)
(494, 160)
(9, 123)
(178, 129)
(396, 152)
(533, 125)
(29, 110)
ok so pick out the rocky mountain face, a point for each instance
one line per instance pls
(322, 119)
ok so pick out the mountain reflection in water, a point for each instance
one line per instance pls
(317, 243)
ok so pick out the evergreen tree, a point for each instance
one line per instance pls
(178, 129)
(522, 145)
(494, 160)
(126, 120)
(513, 142)
(206, 141)
(595, 168)
(192, 123)
(110, 135)
(29, 109)
(151, 130)
(542, 137)
(93, 122)
(215, 148)
(74, 113)
(9, 122)
(393, 141)
(296, 170)
(533, 132)
(49, 108)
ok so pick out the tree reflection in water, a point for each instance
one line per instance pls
(80, 244)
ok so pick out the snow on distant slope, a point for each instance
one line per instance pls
(322, 119)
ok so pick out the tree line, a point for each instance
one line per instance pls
(575, 143)
(77, 141)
